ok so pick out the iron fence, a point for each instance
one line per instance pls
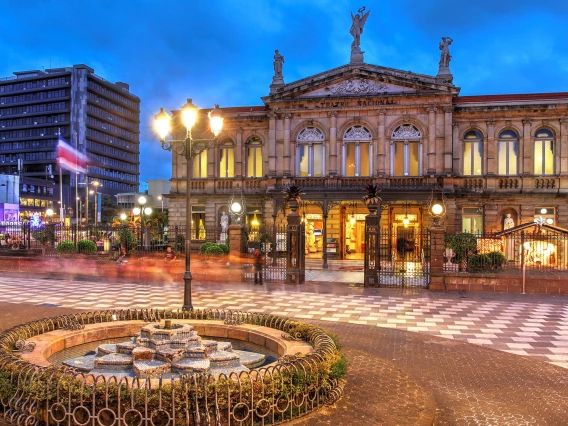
(490, 253)
(294, 387)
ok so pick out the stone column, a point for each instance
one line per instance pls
(272, 145)
(381, 168)
(437, 234)
(448, 140)
(490, 150)
(286, 169)
(372, 236)
(458, 149)
(295, 243)
(236, 241)
(240, 155)
(431, 140)
(527, 149)
(324, 236)
(332, 142)
(563, 147)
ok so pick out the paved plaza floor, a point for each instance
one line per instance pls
(416, 357)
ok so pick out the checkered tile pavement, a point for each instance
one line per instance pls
(538, 329)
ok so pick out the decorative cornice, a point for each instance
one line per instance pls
(357, 86)
(431, 109)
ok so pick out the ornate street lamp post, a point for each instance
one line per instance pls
(189, 150)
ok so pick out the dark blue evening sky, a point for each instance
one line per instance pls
(221, 51)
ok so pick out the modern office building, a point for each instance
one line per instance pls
(99, 118)
(486, 156)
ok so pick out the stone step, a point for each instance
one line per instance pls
(125, 348)
(108, 348)
(113, 362)
(143, 354)
(197, 352)
(188, 365)
(150, 368)
(169, 355)
(223, 359)
(250, 359)
(84, 363)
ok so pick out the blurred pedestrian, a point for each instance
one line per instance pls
(258, 264)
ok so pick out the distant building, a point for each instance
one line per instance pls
(158, 189)
(97, 117)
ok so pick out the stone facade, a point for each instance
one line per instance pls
(334, 132)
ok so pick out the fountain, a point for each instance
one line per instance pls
(167, 350)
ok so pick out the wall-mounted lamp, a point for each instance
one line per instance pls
(437, 207)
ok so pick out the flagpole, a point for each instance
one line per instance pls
(61, 208)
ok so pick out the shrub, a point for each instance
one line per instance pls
(86, 247)
(44, 236)
(496, 259)
(65, 247)
(205, 247)
(224, 247)
(478, 262)
(214, 250)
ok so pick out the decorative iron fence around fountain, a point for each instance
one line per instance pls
(297, 385)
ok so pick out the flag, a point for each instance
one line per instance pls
(69, 158)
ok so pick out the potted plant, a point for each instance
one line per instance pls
(292, 194)
(372, 192)
(463, 245)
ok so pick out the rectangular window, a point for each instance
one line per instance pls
(318, 159)
(543, 157)
(472, 220)
(365, 159)
(200, 165)
(254, 162)
(399, 159)
(227, 163)
(548, 215)
(350, 159)
(303, 160)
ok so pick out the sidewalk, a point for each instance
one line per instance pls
(396, 377)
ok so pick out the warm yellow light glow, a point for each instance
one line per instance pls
(142, 200)
(136, 210)
(216, 120)
(188, 114)
(123, 216)
(49, 212)
(549, 221)
(91, 191)
(148, 210)
(254, 221)
(405, 222)
(437, 209)
(352, 220)
(543, 211)
(162, 123)
(236, 207)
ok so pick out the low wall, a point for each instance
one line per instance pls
(143, 268)
(539, 284)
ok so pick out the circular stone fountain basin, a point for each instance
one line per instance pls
(151, 350)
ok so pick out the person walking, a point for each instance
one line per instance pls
(258, 263)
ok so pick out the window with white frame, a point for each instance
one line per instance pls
(357, 151)
(254, 157)
(508, 153)
(227, 160)
(200, 162)
(472, 153)
(406, 151)
(472, 220)
(310, 152)
(544, 152)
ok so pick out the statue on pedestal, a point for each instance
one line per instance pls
(357, 23)
(224, 226)
(508, 223)
(445, 56)
(278, 61)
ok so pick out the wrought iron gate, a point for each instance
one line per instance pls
(404, 255)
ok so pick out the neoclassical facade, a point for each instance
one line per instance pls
(334, 132)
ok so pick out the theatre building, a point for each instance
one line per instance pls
(486, 156)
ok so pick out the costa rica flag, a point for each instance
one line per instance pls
(69, 158)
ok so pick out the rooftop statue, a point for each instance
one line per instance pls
(445, 55)
(358, 22)
(278, 61)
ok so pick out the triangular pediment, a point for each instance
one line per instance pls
(361, 80)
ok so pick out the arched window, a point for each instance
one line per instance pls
(200, 161)
(406, 151)
(472, 153)
(254, 157)
(508, 153)
(544, 152)
(357, 151)
(310, 152)
(227, 159)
